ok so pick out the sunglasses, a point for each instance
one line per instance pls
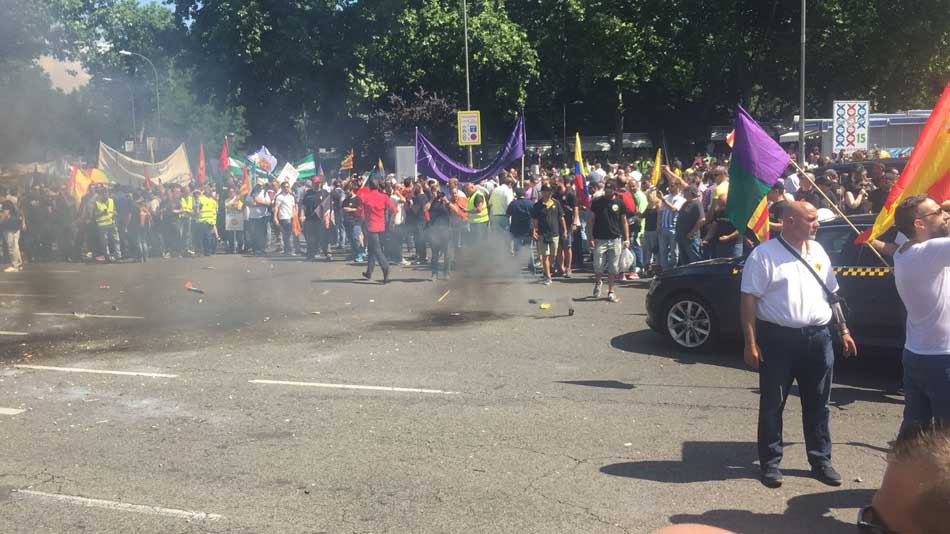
(870, 523)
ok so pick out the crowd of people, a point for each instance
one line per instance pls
(672, 217)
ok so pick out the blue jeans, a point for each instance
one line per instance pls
(669, 254)
(804, 355)
(355, 232)
(689, 249)
(636, 249)
(286, 231)
(926, 391)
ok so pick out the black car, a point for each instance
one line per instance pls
(698, 304)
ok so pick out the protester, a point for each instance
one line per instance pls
(11, 224)
(439, 232)
(569, 209)
(547, 227)
(922, 276)
(688, 224)
(784, 317)
(207, 229)
(519, 213)
(670, 205)
(609, 233)
(498, 202)
(914, 497)
(105, 223)
(374, 205)
(352, 221)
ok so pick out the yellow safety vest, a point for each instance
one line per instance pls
(207, 210)
(480, 216)
(106, 212)
(188, 206)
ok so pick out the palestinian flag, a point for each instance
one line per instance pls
(306, 168)
(757, 163)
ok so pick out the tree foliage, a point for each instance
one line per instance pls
(297, 74)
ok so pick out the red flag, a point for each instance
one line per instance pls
(245, 182)
(201, 164)
(223, 163)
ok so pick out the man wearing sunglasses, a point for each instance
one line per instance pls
(922, 276)
(914, 497)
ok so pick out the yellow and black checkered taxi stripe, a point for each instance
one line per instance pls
(845, 271)
(862, 271)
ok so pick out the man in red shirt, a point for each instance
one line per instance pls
(374, 204)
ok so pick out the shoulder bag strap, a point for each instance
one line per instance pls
(832, 297)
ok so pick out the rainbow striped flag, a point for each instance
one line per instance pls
(757, 163)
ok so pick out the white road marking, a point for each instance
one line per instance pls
(12, 281)
(11, 411)
(351, 386)
(87, 315)
(123, 506)
(27, 295)
(57, 272)
(8, 333)
(93, 371)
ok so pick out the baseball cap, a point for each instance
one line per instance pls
(315, 180)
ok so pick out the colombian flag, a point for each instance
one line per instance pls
(580, 173)
(927, 171)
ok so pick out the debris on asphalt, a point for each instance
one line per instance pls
(455, 314)
(208, 268)
(570, 311)
(372, 300)
(266, 319)
(190, 287)
(315, 312)
(859, 480)
(447, 291)
(103, 286)
(545, 306)
(534, 301)
(325, 291)
(115, 308)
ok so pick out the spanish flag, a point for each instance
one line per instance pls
(347, 163)
(927, 171)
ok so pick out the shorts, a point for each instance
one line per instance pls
(547, 246)
(607, 255)
(568, 240)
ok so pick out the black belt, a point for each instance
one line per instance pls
(803, 330)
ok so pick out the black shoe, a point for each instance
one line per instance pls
(826, 475)
(365, 275)
(772, 477)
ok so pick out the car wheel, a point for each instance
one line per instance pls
(690, 321)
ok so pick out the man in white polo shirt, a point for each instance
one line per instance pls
(922, 275)
(785, 315)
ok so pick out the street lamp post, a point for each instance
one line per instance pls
(132, 96)
(468, 93)
(158, 102)
(564, 122)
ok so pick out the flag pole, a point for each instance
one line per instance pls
(834, 208)
(524, 144)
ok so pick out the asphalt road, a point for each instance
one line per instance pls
(512, 418)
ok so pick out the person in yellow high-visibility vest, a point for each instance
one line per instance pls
(477, 213)
(206, 206)
(104, 213)
(186, 214)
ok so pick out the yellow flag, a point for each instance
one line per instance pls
(655, 177)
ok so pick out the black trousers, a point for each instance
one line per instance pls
(376, 255)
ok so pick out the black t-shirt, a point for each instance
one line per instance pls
(609, 217)
(548, 217)
(649, 215)
(724, 225)
(350, 218)
(811, 196)
(568, 202)
(520, 212)
(878, 198)
(691, 212)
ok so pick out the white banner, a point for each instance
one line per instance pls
(124, 170)
(851, 125)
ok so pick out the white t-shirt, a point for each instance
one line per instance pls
(400, 209)
(791, 184)
(922, 274)
(284, 202)
(788, 294)
(499, 199)
(668, 216)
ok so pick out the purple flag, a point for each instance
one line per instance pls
(432, 162)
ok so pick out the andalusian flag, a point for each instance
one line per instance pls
(580, 173)
(757, 163)
(347, 163)
(306, 168)
(235, 165)
(657, 172)
(927, 171)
